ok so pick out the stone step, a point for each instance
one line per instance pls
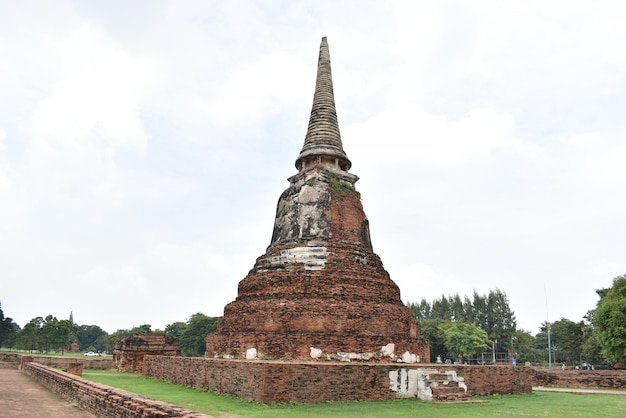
(447, 387)
(450, 394)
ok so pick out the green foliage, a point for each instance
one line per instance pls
(609, 319)
(8, 330)
(90, 336)
(465, 340)
(490, 312)
(45, 335)
(434, 331)
(191, 336)
(567, 336)
(341, 188)
(111, 339)
(522, 346)
(537, 404)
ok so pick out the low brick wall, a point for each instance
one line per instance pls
(8, 357)
(310, 382)
(8, 361)
(64, 362)
(102, 400)
(615, 379)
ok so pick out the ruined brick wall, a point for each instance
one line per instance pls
(500, 379)
(8, 361)
(128, 353)
(615, 379)
(101, 400)
(310, 381)
(64, 362)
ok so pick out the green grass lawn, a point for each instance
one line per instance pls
(538, 404)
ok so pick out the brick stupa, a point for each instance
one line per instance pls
(319, 290)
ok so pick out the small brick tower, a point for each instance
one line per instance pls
(319, 290)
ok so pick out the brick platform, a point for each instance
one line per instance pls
(321, 381)
(615, 379)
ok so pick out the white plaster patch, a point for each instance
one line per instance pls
(409, 383)
(313, 257)
(388, 350)
(251, 353)
(316, 352)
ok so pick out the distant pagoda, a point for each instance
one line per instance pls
(319, 290)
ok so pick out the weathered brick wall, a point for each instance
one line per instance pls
(8, 357)
(101, 400)
(64, 362)
(128, 353)
(8, 361)
(309, 381)
(580, 378)
(501, 379)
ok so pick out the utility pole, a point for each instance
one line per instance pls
(549, 349)
(548, 322)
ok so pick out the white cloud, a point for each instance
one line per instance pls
(200, 260)
(113, 281)
(96, 96)
(262, 89)
(406, 134)
(418, 280)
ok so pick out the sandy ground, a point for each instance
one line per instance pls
(20, 396)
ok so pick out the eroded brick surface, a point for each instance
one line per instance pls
(615, 379)
(317, 381)
(128, 353)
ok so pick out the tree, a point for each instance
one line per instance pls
(111, 339)
(176, 331)
(191, 336)
(501, 321)
(433, 330)
(30, 337)
(421, 311)
(568, 337)
(457, 310)
(56, 335)
(591, 350)
(490, 312)
(90, 336)
(609, 320)
(465, 339)
(522, 346)
(8, 330)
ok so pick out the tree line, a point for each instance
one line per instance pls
(49, 334)
(463, 327)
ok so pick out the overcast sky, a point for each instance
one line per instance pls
(144, 145)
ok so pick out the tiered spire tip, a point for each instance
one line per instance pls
(323, 138)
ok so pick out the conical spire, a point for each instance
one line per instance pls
(322, 137)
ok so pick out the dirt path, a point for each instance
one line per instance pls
(20, 396)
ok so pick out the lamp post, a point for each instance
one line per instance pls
(549, 349)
